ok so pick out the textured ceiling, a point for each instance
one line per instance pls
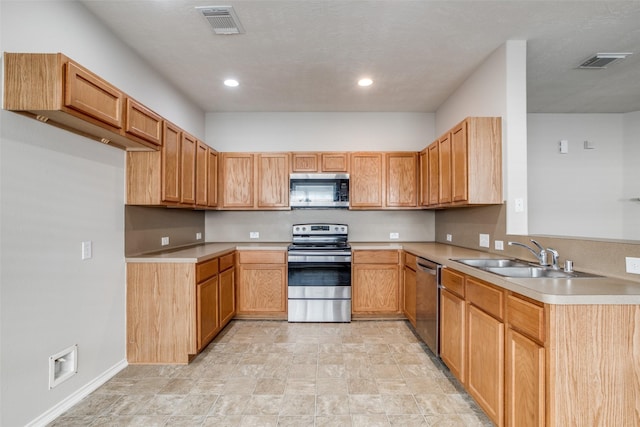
(307, 55)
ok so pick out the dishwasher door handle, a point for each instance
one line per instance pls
(425, 269)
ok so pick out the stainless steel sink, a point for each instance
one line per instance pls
(485, 263)
(520, 269)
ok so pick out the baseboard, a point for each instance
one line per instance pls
(77, 396)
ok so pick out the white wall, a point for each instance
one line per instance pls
(58, 189)
(319, 131)
(631, 178)
(498, 88)
(584, 193)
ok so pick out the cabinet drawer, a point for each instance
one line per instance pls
(486, 297)
(375, 257)
(227, 261)
(262, 257)
(410, 261)
(453, 281)
(526, 317)
(206, 269)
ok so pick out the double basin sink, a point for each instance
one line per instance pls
(520, 269)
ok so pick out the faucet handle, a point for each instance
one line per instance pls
(554, 259)
(538, 245)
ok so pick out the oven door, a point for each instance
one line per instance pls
(321, 273)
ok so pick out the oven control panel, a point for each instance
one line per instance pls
(320, 229)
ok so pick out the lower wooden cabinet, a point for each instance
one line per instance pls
(453, 333)
(409, 305)
(262, 284)
(375, 282)
(174, 310)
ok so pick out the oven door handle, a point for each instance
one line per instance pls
(339, 259)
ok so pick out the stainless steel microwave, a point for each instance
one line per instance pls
(319, 190)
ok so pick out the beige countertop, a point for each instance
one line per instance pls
(588, 290)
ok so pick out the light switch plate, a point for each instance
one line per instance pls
(87, 250)
(484, 241)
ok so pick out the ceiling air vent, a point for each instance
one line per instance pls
(601, 60)
(223, 19)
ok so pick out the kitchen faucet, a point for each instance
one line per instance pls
(542, 255)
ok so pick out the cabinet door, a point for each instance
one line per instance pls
(366, 186)
(237, 180)
(334, 162)
(485, 373)
(410, 295)
(459, 164)
(143, 123)
(434, 174)
(227, 296)
(444, 169)
(273, 180)
(375, 288)
(402, 182)
(452, 334)
(89, 94)
(171, 163)
(201, 174)
(262, 289)
(525, 377)
(188, 169)
(423, 164)
(207, 311)
(304, 162)
(212, 177)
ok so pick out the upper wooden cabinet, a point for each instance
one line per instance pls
(384, 180)
(469, 164)
(56, 90)
(254, 180)
(402, 179)
(180, 174)
(319, 162)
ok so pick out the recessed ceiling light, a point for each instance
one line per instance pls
(231, 83)
(365, 82)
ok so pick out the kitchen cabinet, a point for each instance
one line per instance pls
(485, 347)
(375, 282)
(401, 179)
(212, 177)
(453, 338)
(55, 90)
(319, 162)
(174, 176)
(207, 304)
(423, 169)
(245, 175)
(262, 284)
(525, 363)
(366, 186)
(469, 166)
(175, 309)
(409, 305)
(273, 180)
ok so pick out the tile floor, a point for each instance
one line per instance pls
(272, 373)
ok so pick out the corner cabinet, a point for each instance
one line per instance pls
(55, 90)
(465, 165)
(409, 306)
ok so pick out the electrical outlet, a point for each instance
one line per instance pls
(484, 240)
(198, 236)
(164, 241)
(633, 265)
(519, 204)
(87, 250)
(449, 237)
(394, 236)
(499, 245)
(254, 234)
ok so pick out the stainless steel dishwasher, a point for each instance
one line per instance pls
(428, 303)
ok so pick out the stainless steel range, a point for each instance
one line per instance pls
(319, 261)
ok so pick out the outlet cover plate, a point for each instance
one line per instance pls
(198, 236)
(394, 236)
(484, 241)
(499, 245)
(449, 237)
(254, 234)
(633, 265)
(164, 241)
